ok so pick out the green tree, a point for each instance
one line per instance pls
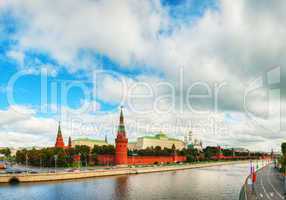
(84, 152)
(6, 152)
(283, 148)
(282, 159)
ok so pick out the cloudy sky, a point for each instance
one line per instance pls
(211, 66)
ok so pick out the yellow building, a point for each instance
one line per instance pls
(158, 140)
(88, 142)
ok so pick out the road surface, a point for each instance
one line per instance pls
(269, 185)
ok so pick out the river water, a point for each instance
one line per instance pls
(211, 183)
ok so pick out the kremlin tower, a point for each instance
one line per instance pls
(121, 141)
(59, 142)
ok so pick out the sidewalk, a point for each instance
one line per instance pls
(269, 185)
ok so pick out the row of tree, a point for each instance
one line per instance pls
(6, 152)
(49, 157)
(154, 151)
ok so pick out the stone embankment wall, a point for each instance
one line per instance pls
(101, 173)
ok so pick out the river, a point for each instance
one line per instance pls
(211, 183)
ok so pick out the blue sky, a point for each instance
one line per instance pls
(27, 89)
(142, 43)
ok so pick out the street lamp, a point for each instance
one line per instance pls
(79, 163)
(26, 162)
(40, 163)
(284, 180)
(56, 158)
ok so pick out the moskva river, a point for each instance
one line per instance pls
(211, 183)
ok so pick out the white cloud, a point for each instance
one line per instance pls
(17, 55)
(120, 30)
(128, 32)
(15, 114)
(24, 128)
(233, 44)
(21, 126)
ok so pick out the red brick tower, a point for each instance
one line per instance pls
(121, 141)
(59, 142)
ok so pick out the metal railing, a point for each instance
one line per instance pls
(243, 192)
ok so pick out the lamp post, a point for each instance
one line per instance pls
(284, 181)
(40, 163)
(26, 156)
(86, 155)
(79, 162)
(252, 175)
(56, 158)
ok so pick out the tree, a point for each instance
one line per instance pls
(6, 152)
(105, 149)
(210, 152)
(283, 148)
(83, 151)
(46, 157)
(282, 159)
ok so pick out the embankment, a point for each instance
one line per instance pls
(101, 173)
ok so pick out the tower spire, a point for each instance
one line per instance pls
(121, 127)
(59, 141)
(105, 139)
(121, 115)
(59, 130)
(70, 142)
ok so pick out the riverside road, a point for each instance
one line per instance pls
(269, 184)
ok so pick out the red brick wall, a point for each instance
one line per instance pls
(140, 160)
(106, 159)
(145, 160)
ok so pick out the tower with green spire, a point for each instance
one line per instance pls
(59, 141)
(121, 141)
(121, 126)
(105, 139)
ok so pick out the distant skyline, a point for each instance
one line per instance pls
(215, 67)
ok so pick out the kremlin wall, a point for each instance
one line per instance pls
(140, 160)
(121, 157)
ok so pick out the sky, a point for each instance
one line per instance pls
(213, 67)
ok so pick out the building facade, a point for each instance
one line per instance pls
(192, 142)
(88, 142)
(121, 157)
(161, 140)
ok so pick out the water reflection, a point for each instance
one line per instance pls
(121, 188)
(222, 182)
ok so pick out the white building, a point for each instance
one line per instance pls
(193, 142)
(88, 142)
(160, 140)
